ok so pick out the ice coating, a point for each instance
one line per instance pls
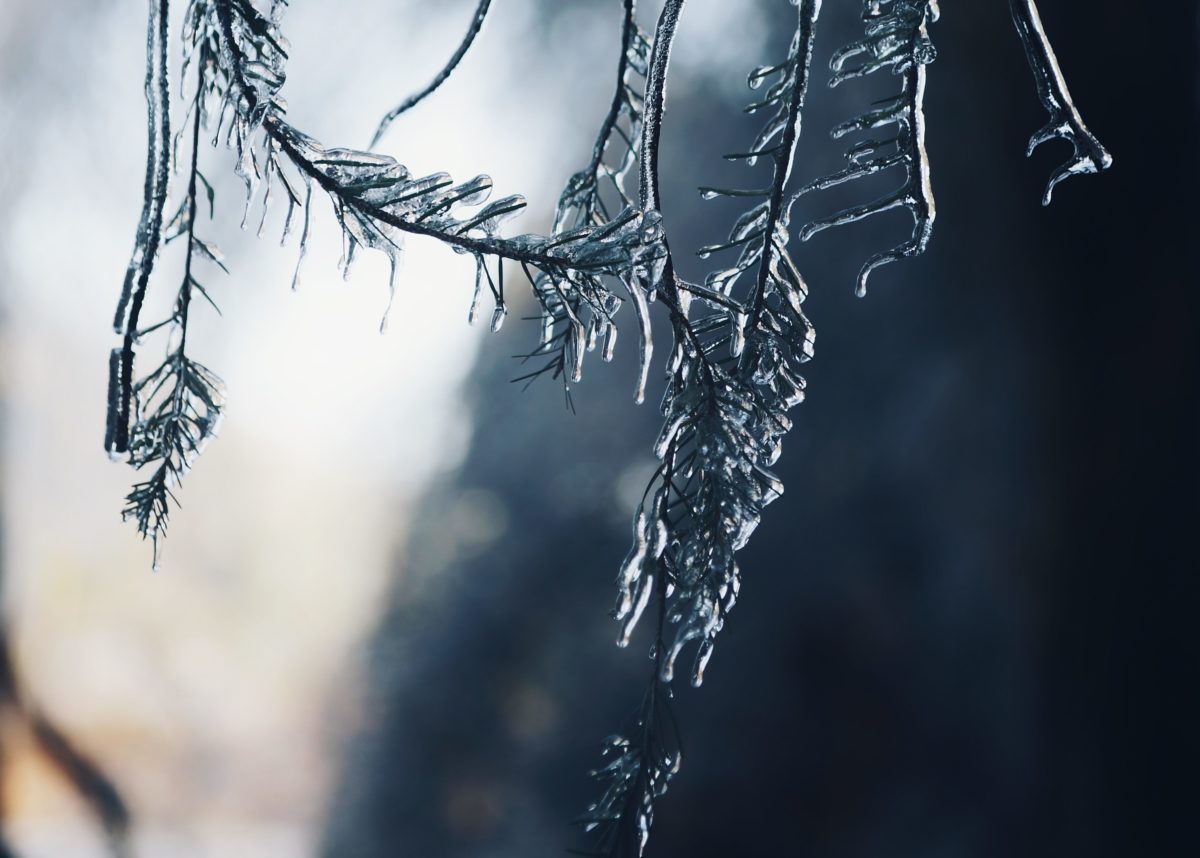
(896, 40)
(237, 56)
(723, 423)
(1064, 122)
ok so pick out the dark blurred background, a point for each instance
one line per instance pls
(968, 628)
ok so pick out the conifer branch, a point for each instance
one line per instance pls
(897, 40)
(725, 416)
(376, 202)
(571, 318)
(179, 404)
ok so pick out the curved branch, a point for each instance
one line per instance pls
(441, 77)
(1065, 122)
(656, 100)
(896, 39)
(120, 377)
(501, 247)
(629, 31)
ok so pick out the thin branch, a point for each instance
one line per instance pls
(413, 100)
(629, 31)
(656, 99)
(120, 380)
(1090, 156)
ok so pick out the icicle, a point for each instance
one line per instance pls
(578, 348)
(631, 569)
(669, 433)
(473, 311)
(645, 345)
(702, 658)
(266, 206)
(303, 237)
(287, 222)
(547, 334)
(349, 256)
(593, 331)
(610, 343)
(645, 587)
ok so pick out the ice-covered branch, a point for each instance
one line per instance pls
(583, 200)
(374, 195)
(641, 763)
(647, 754)
(149, 232)
(1090, 156)
(178, 405)
(376, 202)
(733, 374)
(593, 196)
(896, 40)
(441, 77)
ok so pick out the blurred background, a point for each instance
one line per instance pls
(380, 624)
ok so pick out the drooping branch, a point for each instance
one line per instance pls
(741, 337)
(141, 263)
(178, 405)
(582, 200)
(731, 378)
(647, 755)
(441, 77)
(656, 100)
(155, 168)
(896, 40)
(1065, 123)
(593, 196)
